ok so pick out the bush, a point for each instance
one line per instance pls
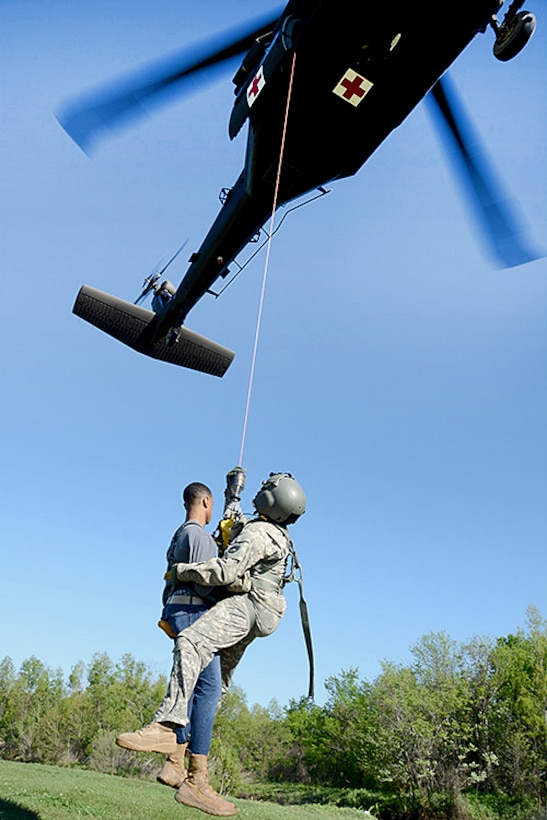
(108, 758)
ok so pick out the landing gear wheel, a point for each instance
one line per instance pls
(513, 35)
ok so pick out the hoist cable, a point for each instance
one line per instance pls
(295, 564)
(265, 274)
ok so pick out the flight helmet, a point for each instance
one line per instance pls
(280, 499)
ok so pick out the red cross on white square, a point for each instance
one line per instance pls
(353, 87)
(255, 86)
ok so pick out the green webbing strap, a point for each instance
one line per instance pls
(307, 637)
(303, 616)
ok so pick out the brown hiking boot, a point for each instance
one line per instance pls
(196, 791)
(156, 737)
(173, 772)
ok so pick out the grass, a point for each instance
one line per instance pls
(30, 791)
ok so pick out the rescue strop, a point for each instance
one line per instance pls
(304, 616)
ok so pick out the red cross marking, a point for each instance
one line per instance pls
(353, 88)
(254, 88)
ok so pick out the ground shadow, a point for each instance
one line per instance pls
(11, 811)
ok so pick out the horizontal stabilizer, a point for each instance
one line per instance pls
(128, 323)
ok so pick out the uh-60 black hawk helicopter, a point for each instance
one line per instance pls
(359, 70)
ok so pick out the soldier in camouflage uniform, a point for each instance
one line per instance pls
(252, 569)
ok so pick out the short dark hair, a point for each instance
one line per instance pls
(194, 492)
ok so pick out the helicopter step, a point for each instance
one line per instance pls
(128, 323)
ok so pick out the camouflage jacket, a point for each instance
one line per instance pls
(259, 553)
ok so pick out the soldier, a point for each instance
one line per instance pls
(255, 561)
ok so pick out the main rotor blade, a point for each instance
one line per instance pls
(499, 221)
(112, 105)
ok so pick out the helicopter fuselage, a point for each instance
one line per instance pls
(358, 70)
(321, 87)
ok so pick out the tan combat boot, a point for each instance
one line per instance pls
(156, 737)
(196, 791)
(173, 772)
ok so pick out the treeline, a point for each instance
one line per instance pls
(459, 718)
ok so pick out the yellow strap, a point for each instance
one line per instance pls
(167, 628)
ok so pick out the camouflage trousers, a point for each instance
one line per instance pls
(229, 627)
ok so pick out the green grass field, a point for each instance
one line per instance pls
(29, 791)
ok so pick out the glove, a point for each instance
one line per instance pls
(225, 530)
(229, 528)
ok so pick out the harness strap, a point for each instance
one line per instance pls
(304, 616)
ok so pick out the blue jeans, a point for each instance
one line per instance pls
(202, 705)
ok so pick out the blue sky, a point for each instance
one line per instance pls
(401, 376)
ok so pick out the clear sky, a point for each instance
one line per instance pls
(401, 377)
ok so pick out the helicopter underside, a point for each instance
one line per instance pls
(359, 71)
(322, 87)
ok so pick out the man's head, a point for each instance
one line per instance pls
(198, 502)
(280, 499)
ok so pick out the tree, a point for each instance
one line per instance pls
(425, 721)
(457, 716)
(28, 697)
(44, 719)
(519, 665)
(122, 696)
(350, 729)
(309, 752)
(7, 682)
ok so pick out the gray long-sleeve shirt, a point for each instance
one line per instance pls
(190, 544)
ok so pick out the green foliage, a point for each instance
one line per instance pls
(122, 696)
(310, 752)
(336, 739)
(248, 743)
(519, 729)
(458, 733)
(44, 719)
(27, 700)
(296, 794)
(425, 734)
(459, 719)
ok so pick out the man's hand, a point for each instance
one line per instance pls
(171, 574)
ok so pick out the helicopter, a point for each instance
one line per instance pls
(329, 80)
